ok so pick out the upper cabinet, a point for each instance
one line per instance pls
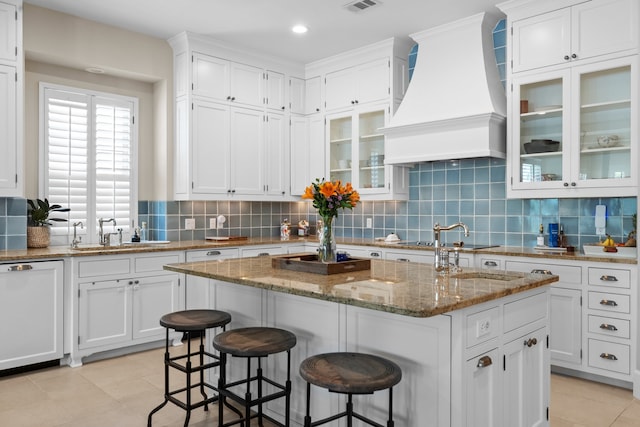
(573, 122)
(231, 114)
(11, 99)
(361, 84)
(583, 31)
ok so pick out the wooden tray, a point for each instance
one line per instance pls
(226, 238)
(310, 264)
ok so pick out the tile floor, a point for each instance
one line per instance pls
(120, 392)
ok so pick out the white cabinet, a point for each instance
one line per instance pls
(307, 151)
(223, 80)
(118, 301)
(361, 84)
(198, 289)
(297, 96)
(566, 325)
(583, 31)
(31, 313)
(11, 99)
(253, 251)
(231, 116)
(313, 97)
(526, 380)
(577, 135)
(355, 153)
(483, 390)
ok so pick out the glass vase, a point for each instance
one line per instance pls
(327, 241)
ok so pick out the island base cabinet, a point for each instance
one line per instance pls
(526, 381)
(484, 401)
(31, 313)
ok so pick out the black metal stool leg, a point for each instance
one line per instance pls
(307, 417)
(350, 411)
(390, 422)
(202, 392)
(247, 396)
(287, 398)
(259, 380)
(166, 380)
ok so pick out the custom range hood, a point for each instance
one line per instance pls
(455, 105)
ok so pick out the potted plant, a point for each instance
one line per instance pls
(38, 222)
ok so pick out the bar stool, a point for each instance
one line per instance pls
(190, 322)
(349, 373)
(249, 343)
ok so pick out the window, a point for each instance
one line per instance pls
(88, 152)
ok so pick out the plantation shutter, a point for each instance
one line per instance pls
(89, 152)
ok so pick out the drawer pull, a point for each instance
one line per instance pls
(484, 361)
(20, 267)
(214, 253)
(403, 260)
(374, 254)
(608, 356)
(607, 278)
(609, 302)
(541, 271)
(530, 342)
(608, 327)
(490, 263)
(263, 254)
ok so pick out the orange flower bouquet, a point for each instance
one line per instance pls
(328, 197)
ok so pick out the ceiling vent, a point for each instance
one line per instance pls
(360, 5)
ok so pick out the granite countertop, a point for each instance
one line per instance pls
(65, 251)
(398, 287)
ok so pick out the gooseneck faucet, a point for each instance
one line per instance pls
(76, 239)
(105, 238)
(437, 228)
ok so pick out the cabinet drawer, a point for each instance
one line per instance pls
(609, 277)
(609, 326)
(566, 273)
(609, 356)
(525, 311)
(105, 266)
(409, 257)
(614, 303)
(271, 250)
(212, 254)
(154, 263)
(483, 326)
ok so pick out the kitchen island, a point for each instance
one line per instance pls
(472, 344)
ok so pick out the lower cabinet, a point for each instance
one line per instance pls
(197, 289)
(483, 391)
(31, 313)
(119, 300)
(566, 325)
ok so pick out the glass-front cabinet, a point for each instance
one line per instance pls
(574, 131)
(356, 152)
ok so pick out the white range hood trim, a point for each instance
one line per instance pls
(482, 135)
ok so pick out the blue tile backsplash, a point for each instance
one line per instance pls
(471, 190)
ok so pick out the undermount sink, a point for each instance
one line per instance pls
(502, 276)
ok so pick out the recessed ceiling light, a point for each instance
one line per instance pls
(299, 29)
(94, 70)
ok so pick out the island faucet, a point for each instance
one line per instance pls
(437, 228)
(104, 240)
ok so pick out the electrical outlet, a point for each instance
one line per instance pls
(190, 224)
(369, 222)
(212, 223)
(483, 327)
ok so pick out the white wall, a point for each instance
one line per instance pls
(58, 47)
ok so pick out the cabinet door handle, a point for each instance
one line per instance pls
(20, 267)
(214, 253)
(607, 278)
(263, 254)
(491, 263)
(609, 302)
(530, 342)
(574, 56)
(228, 98)
(573, 184)
(484, 361)
(541, 271)
(566, 184)
(403, 260)
(608, 327)
(374, 254)
(608, 356)
(567, 57)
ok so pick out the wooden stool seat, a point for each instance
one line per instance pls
(195, 320)
(355, 373)
(351, 374)
(254, 342)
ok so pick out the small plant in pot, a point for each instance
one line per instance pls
(38, 222)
